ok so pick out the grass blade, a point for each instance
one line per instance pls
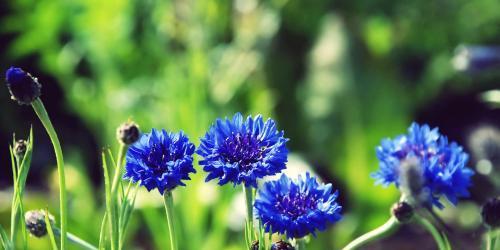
(50, 231)
(7, 245)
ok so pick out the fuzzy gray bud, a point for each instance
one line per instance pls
(20, 147)
(35, 222)
(128, 133)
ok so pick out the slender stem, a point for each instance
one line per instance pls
(14, 209)
(114, 192)
(433, 231)
(301, 243)
(169, 209)
(249, 203)
(76, 240)
(119, 162)
(386, 229)
(44, 118)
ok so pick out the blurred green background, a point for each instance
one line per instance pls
(337, 76)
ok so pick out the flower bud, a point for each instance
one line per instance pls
(35, 222)
(255, 245)
(402, 211)
(491, 213)
(23, 87)
(20, 147)
(282, 245)
(128, 133)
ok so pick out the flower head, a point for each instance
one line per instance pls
(297, 207)
(23, 87)
(35, 222)
(160, 160)
(442, 164)
(241, 151)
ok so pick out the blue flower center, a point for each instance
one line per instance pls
(296, 205)
(242, 149)
(158, 158)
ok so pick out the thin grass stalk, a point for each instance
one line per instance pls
(44, 118)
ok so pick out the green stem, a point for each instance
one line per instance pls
(301, 243)
(76, 240)
(169, 209)
(117, 239)
(386, 229)
(14, 209)
(249, 203)
(119, 163)
(433, 231)
(44, 118)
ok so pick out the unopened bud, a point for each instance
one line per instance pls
(20, 147)
(35, 222)
(282, 245)
(23, 87)
(255, 245)
(491, 213)
(402, 211)
(128, 133)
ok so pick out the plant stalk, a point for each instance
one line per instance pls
(433, 231)
(76, 240)
(386, 229)
(301, 243)
(169, 209)
(44, 118)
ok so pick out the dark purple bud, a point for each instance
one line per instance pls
(282, 245)
(402, 211)
(491, 213)
(23, 87)
(128, 133)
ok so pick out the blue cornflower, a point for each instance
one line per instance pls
(297, 208)
(241, 151)
(23, 87)
(443, 170)
(161, 160)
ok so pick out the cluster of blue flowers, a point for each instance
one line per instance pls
(240, 151)
(442, 164)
